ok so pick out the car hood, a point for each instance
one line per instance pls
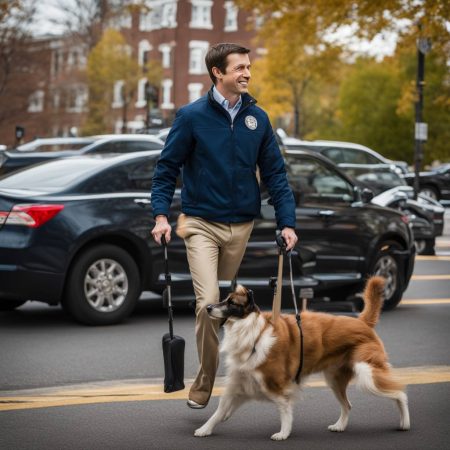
(388, 197)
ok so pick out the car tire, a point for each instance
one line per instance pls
(103, 286)
(388, 265)
(10, 305)
(430, 191)
(425, 246)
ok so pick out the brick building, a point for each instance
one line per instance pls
(175, 32)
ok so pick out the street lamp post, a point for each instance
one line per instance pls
(421, 128)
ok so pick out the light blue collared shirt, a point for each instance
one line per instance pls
(222, 101)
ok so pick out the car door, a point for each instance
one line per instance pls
(328, 221)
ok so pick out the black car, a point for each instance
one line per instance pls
(115, 143)
(77, 231)
(390, 189)
(434, 183)
(425, 214)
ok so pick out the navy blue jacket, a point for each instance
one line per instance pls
(219, 159)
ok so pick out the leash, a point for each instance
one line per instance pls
(297, 318)
(276, 307)
(278, 286)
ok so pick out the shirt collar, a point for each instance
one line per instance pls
(219, 98)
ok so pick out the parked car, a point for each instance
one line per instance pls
(163, 134)
(76, 231)
(114, 143)
(434, 183)
(55, 144)
(425, 214)
(346, 154)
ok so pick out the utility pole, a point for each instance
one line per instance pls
(421, 128)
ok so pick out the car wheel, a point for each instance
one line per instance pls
(430, 191)
(388, 265)
(425, 246)
(9, 305)
(103, 286)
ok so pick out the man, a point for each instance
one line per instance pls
(219, 140)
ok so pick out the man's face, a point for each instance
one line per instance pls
(236, 77)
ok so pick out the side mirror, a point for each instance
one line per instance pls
(401, 199)
(366, 195)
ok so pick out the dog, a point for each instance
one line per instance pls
(263, 357)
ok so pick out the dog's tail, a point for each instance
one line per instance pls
(373, 300)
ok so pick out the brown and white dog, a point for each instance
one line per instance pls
(263, 357)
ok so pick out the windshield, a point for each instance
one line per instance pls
(51, 176)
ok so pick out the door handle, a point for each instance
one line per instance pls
(142, 201)
(325, 212)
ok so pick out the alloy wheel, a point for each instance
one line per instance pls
(387, 267)
(105, 285)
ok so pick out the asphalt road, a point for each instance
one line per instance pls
(66, 386)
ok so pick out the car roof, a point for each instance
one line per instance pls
(55, 140)
(124, 137)
(290, 141)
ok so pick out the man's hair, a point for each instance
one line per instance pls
(217, 57)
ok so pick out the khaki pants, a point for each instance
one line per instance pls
(214, 252)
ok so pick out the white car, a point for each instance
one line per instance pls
(344, 154)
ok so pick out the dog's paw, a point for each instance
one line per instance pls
(202, 432)
(404, 426)
(337, 427)
(279, 436)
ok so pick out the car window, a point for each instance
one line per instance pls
(335, 154)
(315, 182)
(130, 177)
(125, 147)
(114, 179)
(141, 174)
(355, 156)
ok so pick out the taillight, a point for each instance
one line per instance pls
(32, 216)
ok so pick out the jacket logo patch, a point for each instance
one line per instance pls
(251, 122)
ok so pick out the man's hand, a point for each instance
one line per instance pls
(289, 237)
(162, 227)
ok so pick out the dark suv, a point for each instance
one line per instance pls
(77, 231)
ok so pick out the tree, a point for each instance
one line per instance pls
(368, 109)
(366, 17)
(111, 60)
(294, 61)
(296, 33)
(85, 20)
(21, 61)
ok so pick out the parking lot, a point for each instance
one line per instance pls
(69, 386)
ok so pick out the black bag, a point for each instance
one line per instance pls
(173, 346)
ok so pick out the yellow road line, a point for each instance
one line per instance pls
(426, 301)
(149, 392)
(432, 258)
(430, 277)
